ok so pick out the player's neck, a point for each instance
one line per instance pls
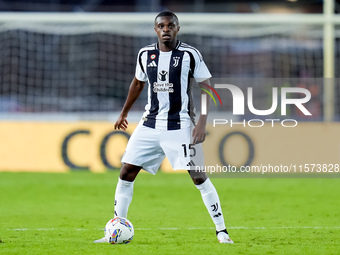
(167, 47)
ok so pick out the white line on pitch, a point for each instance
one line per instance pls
(145, 229)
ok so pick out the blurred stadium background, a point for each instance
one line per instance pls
(74, 60)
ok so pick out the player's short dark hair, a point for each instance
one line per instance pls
(167, 14)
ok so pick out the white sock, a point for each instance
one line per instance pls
(123, 197)
(212, 203)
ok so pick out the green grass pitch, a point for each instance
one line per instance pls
(43, 213)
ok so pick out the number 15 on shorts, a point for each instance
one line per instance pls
(189, 148)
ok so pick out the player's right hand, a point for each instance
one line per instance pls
(121, 123)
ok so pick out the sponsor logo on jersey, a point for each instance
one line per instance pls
(163, 87)
(162, 75)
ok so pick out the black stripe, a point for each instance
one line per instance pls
(192, 62)
(175, 99)
(184, 45)
(190, 106)
(141, 53)
(153, 55)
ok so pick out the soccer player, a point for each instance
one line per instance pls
(165, 128)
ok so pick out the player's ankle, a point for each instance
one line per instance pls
(224, 230)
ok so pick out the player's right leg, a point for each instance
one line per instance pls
(124, 192)
(124, 189)
(142, 151)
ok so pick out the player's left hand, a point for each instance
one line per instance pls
(198, 134)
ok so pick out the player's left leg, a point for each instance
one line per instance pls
(212, 203)
(182, 154)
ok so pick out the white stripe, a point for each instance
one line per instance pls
(163, 97)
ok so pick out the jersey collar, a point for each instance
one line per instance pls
(176, 47)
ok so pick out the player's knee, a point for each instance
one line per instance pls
(129, 172)
(198, 177)
(198, 180)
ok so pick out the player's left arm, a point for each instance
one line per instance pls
(199, 132)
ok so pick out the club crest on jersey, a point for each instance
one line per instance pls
(176, 61)
(153, 56)
(162, 75)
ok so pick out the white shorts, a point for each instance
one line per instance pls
(147, 148)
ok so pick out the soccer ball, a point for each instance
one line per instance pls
(119, 230)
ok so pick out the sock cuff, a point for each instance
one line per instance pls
(124, 183)
(222, 229)
(205, 186)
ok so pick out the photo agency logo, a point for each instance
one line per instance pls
(281, 98)
(204, 101)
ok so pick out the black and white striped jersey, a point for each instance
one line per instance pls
(168, 75)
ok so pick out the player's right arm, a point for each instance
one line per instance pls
(136, 88)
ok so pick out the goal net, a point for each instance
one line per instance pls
(54, 63)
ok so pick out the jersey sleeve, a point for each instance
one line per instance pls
(201, 72)
(140, 69)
